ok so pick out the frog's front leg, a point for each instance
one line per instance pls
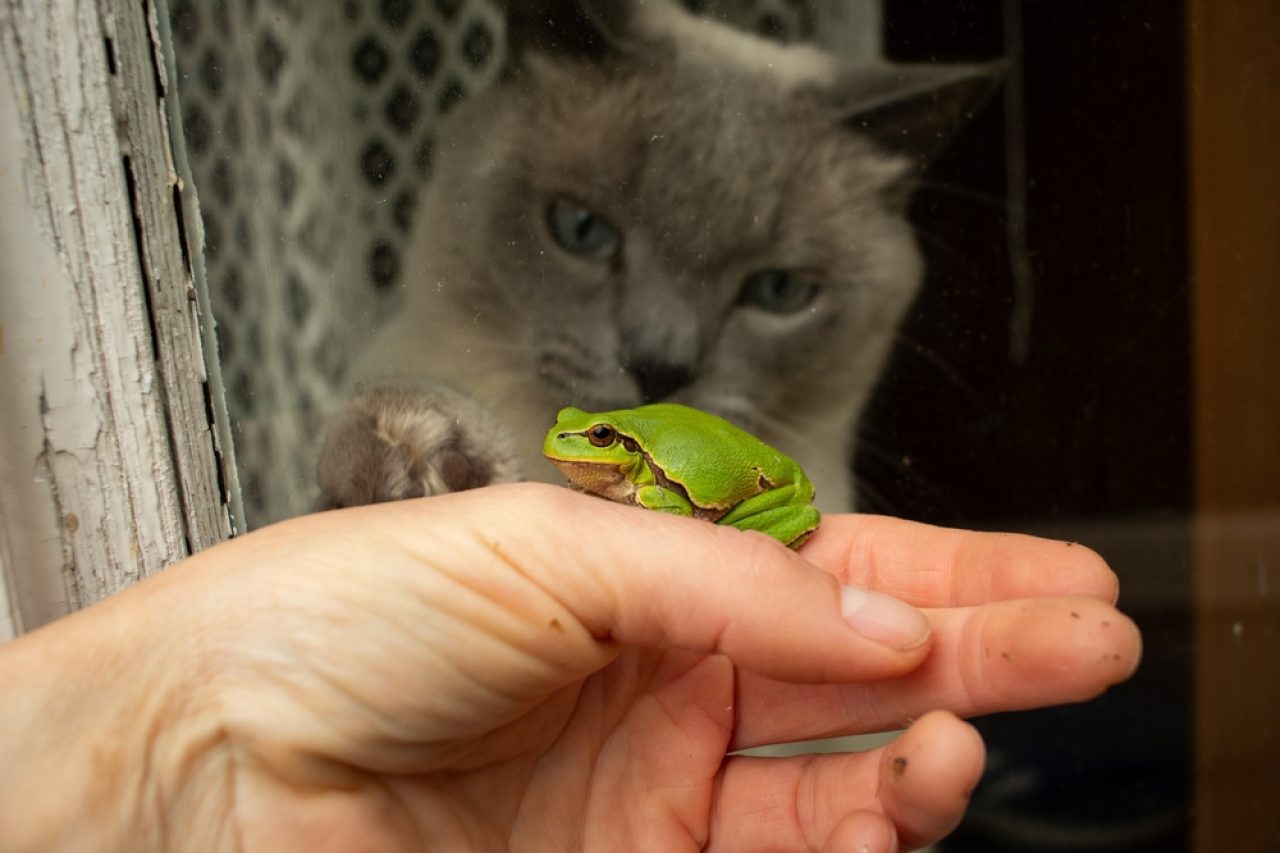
(783, 513)
(663, 500)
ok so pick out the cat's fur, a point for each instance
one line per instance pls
(715, 155)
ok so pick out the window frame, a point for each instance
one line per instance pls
(118, 450)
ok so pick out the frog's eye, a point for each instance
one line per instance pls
(779, 291)
(602, 435)
(580, 230)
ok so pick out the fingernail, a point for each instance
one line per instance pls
(883, 619)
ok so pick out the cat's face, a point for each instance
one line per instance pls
(685, 231)
(684, 214)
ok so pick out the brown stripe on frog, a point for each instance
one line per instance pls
(661, 479)
(607, 481)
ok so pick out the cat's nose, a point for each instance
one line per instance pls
(658, 380)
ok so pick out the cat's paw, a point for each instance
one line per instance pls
(392, 443)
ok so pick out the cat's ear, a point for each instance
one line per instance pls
(913, 110)
(579, 29)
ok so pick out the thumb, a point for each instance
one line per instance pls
(635, 577)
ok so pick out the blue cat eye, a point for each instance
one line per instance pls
(581, 230)
(778, 291)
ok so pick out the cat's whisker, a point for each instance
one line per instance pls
(931, 357)
(926, 188)
(874, 462)
(939, 244)
(874, 450)
(868, 499)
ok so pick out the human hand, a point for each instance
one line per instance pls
(527, 668)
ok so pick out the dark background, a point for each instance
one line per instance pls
(1077, 424)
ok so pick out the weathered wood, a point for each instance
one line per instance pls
(231, 505)
(10, 626)
(127, 461)
(141, 83)
(34, 333)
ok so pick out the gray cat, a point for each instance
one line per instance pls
(649, 206)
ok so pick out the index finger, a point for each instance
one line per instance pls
(930, 566)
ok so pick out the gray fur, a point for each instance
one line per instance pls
(392, 443)
(716, 155)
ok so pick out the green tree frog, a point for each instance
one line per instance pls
(675, 459)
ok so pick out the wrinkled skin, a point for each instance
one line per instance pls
(523, 668)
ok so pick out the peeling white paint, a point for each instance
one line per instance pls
(39, 350)
(107, 470)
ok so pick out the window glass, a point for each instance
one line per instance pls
(966, 292)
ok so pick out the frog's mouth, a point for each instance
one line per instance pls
(607, 481)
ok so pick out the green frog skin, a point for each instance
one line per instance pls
(676, 459)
